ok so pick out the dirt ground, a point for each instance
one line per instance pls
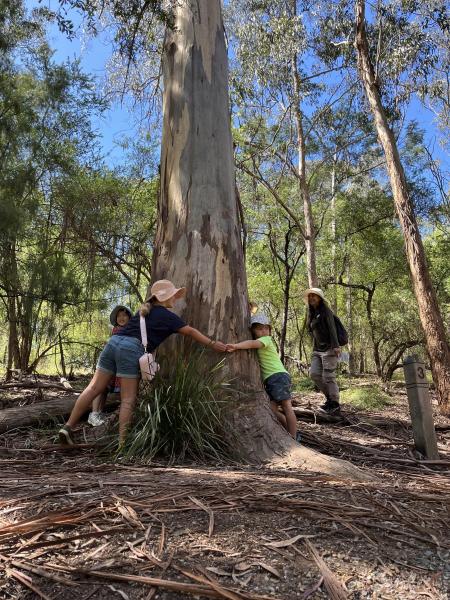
(75, 527)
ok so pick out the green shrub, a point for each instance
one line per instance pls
(368, 397)
(181, 417)
(302, 384)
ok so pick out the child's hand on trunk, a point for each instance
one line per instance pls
(231, 347)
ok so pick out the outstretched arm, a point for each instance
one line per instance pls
(246, 345)
(196, 335)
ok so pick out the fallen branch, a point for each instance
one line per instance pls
(32, 385)
(13, 418)
(319, 417)
(176, 586)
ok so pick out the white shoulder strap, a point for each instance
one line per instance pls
(143, 332)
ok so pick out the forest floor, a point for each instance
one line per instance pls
(73, 527)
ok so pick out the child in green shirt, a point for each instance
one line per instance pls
(277, 381)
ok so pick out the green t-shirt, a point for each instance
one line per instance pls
(269, 361)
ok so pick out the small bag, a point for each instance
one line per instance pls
(147, 363)
(342, 334)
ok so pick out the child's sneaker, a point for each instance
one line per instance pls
(65, 436)
(298, 437)
(95, 419)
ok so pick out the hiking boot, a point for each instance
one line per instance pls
(96, 418)
(65, 436)
(331, 407)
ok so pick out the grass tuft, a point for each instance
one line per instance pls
(182, 417)
(367, 397)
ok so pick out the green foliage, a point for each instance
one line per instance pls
(369, 397)
(73, 238)
(302, 384)
(181, 417)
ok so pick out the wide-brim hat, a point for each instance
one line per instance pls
(316, 291)
(115, 310)
(163, 290)
(259, 319)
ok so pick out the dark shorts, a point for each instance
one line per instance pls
(278, 387)
(120, 357)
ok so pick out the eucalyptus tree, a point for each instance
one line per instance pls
(198, 238)
(429, 311)
(397, 53)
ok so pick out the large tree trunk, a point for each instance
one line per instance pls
(430, 316)
(198, 239)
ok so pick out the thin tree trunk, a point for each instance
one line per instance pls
(61, 353)
(13, 334)
(286, 293)
(430, 315)
(375, 343)
(349, 306)
(333, 233)
(310, 231)
(13, 340)
(198, 241)
(362, 362)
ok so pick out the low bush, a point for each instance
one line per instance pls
(367, 397)
(181, 417)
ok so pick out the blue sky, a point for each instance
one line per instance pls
(119, 121)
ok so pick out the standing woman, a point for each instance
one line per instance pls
(121, 354)
(326, 350)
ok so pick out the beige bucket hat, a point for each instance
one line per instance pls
(163, 290)
(316, 291)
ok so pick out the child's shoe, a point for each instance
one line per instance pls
(65, 436)
(95, 419)
(298, 437)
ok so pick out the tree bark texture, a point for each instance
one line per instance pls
(12, 418)
(198, 241)
(310, 231)
(349, 307)
(334, 233)
(429, 312)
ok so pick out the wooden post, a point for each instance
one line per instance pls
(420, 407)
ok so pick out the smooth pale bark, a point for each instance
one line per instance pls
(334, 233)
(198, 239)
(309, 230)
(429, 312)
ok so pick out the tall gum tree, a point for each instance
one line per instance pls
(429, 312)
(198, 241)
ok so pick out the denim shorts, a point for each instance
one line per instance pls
(121, 356)
(278, 387)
